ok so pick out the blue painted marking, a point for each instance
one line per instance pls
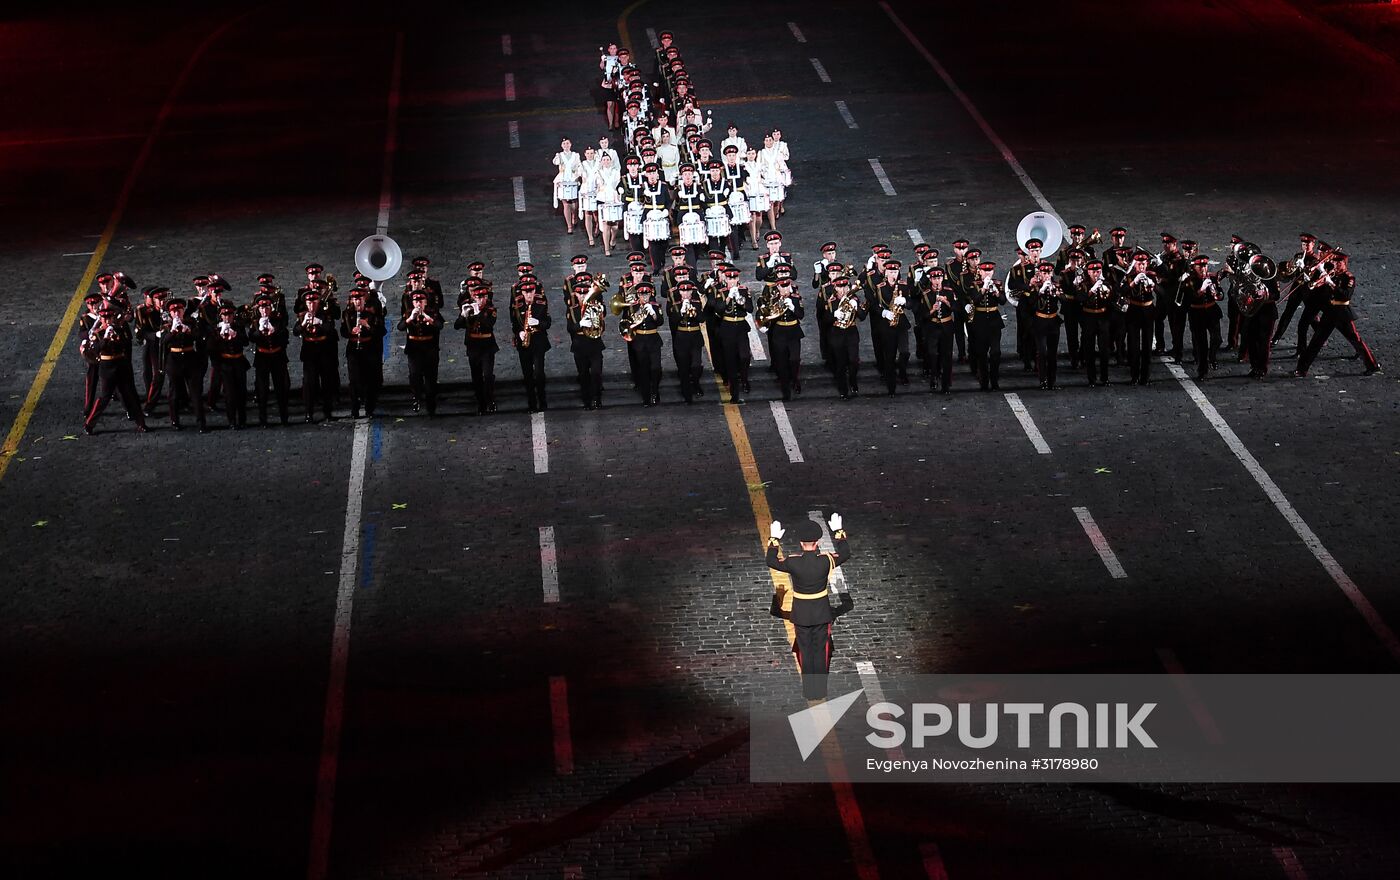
(367, 555)
(378, 448)
(386, 346)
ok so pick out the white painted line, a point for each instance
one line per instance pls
(1204, 720)
(880, 176)
(838, 581)
(933, 861)
(522, 253)
(785, 431)
(1028, 424)
(1100, 543)
(972, 110)
(651, 38)
(514, 135)
(81, 254)
(559, 715)
(1301, 528)
(821, 71)
(846, 114)
(1289, 862)
(510, 87)
(915, 236)
(874, 693)
(796, 32)
(518, 185)
(505, 44)
(756, 343)
(549, 565)
(324, 809)
(391, 140)
(540, 441)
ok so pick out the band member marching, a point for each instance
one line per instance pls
(1260, 304)
(984, 309)
(656, 227)
(781, 315)
(847, 310)
(937, 307)
(962, 267)
(811, 612)
(716, 192)
(1139, 303)
(585, 321)
(685, 313)
(151, 319)
(731, 306)
(1302, 292)
(269, 336)
(736, 178)
(1072, 277)
(889, 298)
(529, 323)
(1018, 292)
(320, 367)
(363, 331)
(1048, 298)
(226, 343)
(1096, 301)
(109, 340)
(477, 316)
(1341, 287)
(183, 350)
(640, 324)
(87, 348)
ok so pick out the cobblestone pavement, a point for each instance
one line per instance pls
(172, 600)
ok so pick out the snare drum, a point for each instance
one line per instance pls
(738, 209)
(776, 192)
(716, 221)
(568, 190)
(657, 226)
(758, 200)
(692, 230)
(633, 218)
(589, 199)
(610, 213)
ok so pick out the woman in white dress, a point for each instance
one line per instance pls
(588, 193)
(608, 180)
(775, 175)
(566, 182)
(663, 123)
(759, 203)
(781, 146)
(668, 156)
(735, 140)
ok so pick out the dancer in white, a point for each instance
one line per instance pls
(566, 182)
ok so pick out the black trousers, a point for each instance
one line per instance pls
(589, 365)
(1071, 313)
(271, 370)
(845, 360)
(483, 365)
(1260, 339)
(648, 349)
(151, 372)
(893, 348)
(91, 380)
(712, 329)
(1047, 348)
(986, 350)
(1025, 335)
(113, 378)
(1140, 322)
(960, 332)
(1205, 338)
(532, 371)
(686, 346)
(363, 367)
(423, 375)
(234, 377)
(737, 356)
(1341, 320)
(319, 377)
(824, 336)
(785, 348)
(216, 383)
(1176, 319)
(813, 647)
(1310, 313)
(1094, 350)
(938, 343)
(186, 373)
(1118, 333)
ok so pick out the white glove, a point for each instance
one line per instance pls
(522, 335)
(899, 300)
(265, 324)
(776, 530)
(835, 522)
(651, 310)
(887, 315)
(1141, 276)
(534, 322)
(224, 327)
(968, 308)
(466, 307)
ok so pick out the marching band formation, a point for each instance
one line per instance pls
(1122, 305)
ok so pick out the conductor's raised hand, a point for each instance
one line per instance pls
(835, 522)
(776, 530)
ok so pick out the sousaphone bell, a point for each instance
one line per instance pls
(378, 257)
(1046, 227)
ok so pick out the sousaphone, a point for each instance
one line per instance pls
(378, 257)
(1046, 227)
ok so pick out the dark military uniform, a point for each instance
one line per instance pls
(643, 322)
(270, 363)
(363, 332)
(811, 613)
(785, 339)
(111, 345)
(731, 307)
(481, 352)
(182, 350)
(1141, 297)
(423, 353)
(225, 342)
(1202, 300)
(320, 366)
(1339, 316)
(891, 339)
(685, 318)
(936, 311)
(150, 321)
(1096, 300)
(986, 300)
(1047, 304)
(532, 355)
(847, 308)
(1018, 282)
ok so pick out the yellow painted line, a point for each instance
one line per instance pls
(623, 33)
(70, 315)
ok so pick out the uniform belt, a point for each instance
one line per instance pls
(739, 319)
(639, 332)
(820, 595)
(1140, 303)
(1047, 314)
(313, 339)
(233, 356)
(988, 308)
(1340, 302)
(421, 338)
(175, 350)
(787, 323)
(480, 335)
(942, 320)
(262, 350)
(1089, 311)
(1209, 305)
(111, 357)
(686, 329)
